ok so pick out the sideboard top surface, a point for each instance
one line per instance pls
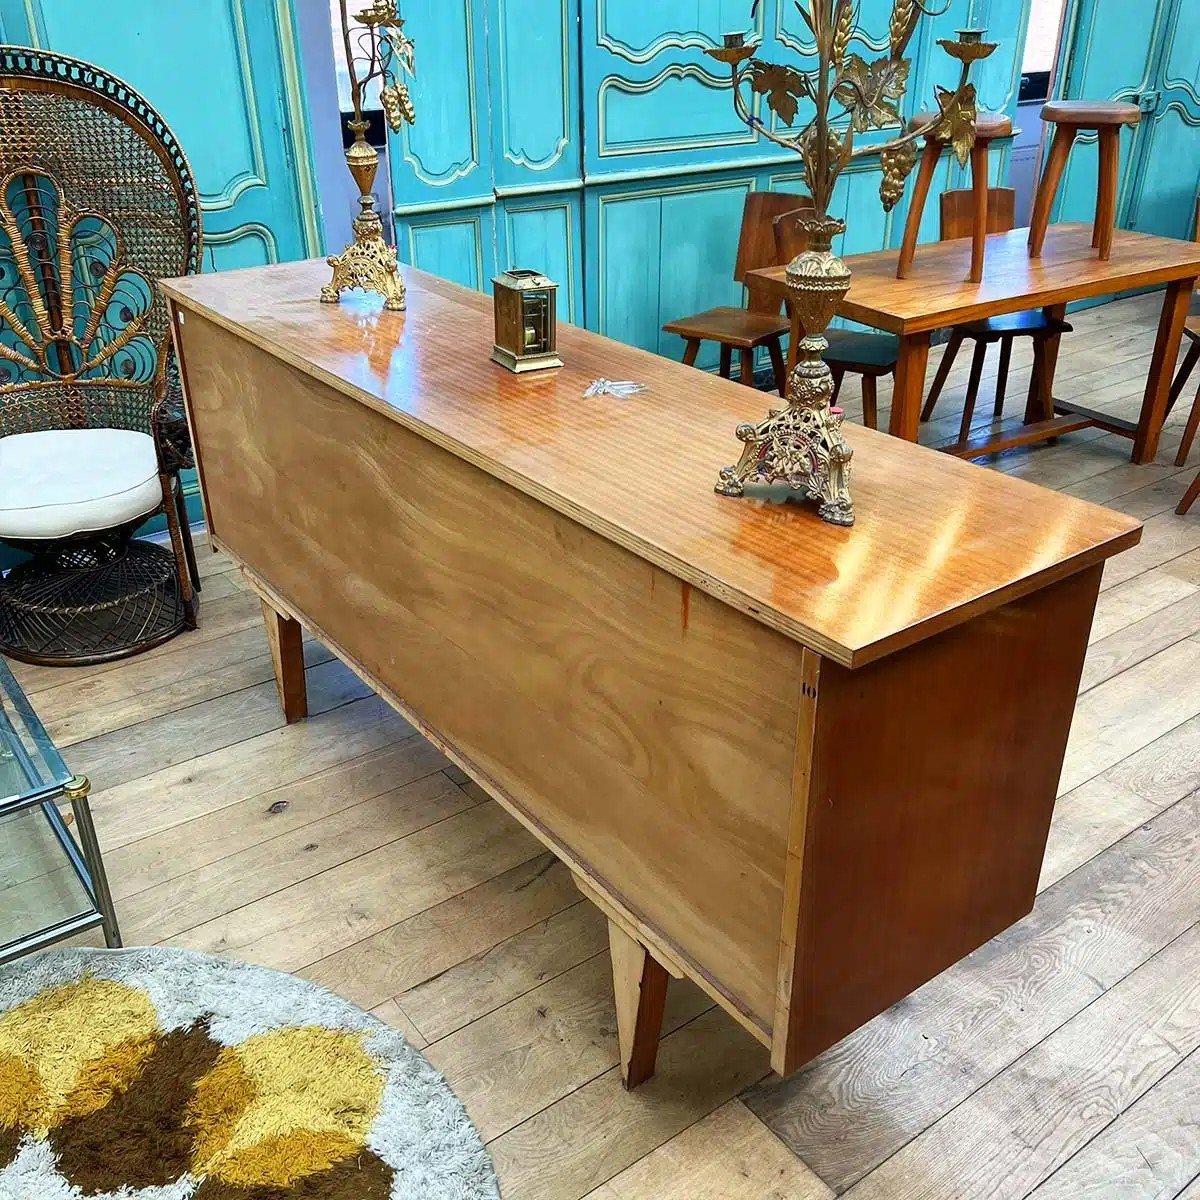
(937, 540)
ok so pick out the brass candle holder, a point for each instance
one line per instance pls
(376, 49)
(802, 445)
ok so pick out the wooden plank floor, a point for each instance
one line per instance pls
(1058, 1061)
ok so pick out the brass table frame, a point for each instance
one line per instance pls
(31, 752)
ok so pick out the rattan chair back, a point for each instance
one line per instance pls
(97, 203)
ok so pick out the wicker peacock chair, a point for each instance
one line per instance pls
(97, 203)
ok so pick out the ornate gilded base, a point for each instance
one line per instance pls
(368, 263)
(800, 445)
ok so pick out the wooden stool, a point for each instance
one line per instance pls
(988, 127)
(1071, 117)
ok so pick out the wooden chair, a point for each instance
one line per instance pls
(988, 127)
(957, 220)
(1191, 331)
(1070, 118)
(760, 323)
(870, 355)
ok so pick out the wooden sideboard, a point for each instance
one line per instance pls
(807, 767)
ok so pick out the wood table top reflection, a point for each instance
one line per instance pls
(936, 540)
(938, 293)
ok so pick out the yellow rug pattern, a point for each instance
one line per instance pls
(138, 1073)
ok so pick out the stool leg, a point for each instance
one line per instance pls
(1006, 348)
(1189, 497)
(1189, 433)
(1190, 359)
(748, 367)
(775, 349)
(916, 207)
(839, 374)
(690, 350)
(870, 396)
(1056, 161)
(1106, 194)
(943, 373)
(726, 362)
(964, 430)
(979, 207)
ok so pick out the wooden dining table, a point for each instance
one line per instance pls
(939, 295)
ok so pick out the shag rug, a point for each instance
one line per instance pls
(166, 1075)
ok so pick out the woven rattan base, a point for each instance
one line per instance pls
(90, 601)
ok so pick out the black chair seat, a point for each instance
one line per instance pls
(1019, 324)
(856, 350)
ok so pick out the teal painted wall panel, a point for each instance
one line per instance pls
(223, 74)
(214, 70)
(448, 151)
(457, 245)
(695, 272)
(625, 299)
(1144, 54)
(534, 71)
(545, 230)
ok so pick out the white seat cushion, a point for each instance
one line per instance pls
(62, 481)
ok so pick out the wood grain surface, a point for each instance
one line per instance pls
(936, 541)
(938, 293)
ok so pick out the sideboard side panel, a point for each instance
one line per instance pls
(933, 782)
(646, 728)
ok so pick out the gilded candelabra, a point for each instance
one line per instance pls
(376, 49)
(802, 444)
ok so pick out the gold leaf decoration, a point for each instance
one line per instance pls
(731, 55)
(869, 91)
(382, 14)
(397, 106)
(897, 162)
(904, 21)
(783, 88)
(843, 31)
(957, 125)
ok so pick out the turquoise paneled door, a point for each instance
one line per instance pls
(668, 166)
(1144, 53)
(224, 75)
(489, 176)
(595, 140)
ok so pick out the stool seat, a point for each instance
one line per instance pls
(987, 125)
(1091, 114)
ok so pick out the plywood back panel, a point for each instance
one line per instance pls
(649, 728)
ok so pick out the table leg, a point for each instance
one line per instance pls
(1039, 406)
(77, 792)
(640, 987)
(1162, 365)
(909, 388)
(287, 656)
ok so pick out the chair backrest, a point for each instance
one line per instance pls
(756, 245)
(790, 238)
(97, 203)
(958, 212)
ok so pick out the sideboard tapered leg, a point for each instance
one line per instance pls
(640, 984)
(287, 655)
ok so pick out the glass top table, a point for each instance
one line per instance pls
(51, 886)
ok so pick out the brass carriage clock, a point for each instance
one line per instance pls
(526, 321)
